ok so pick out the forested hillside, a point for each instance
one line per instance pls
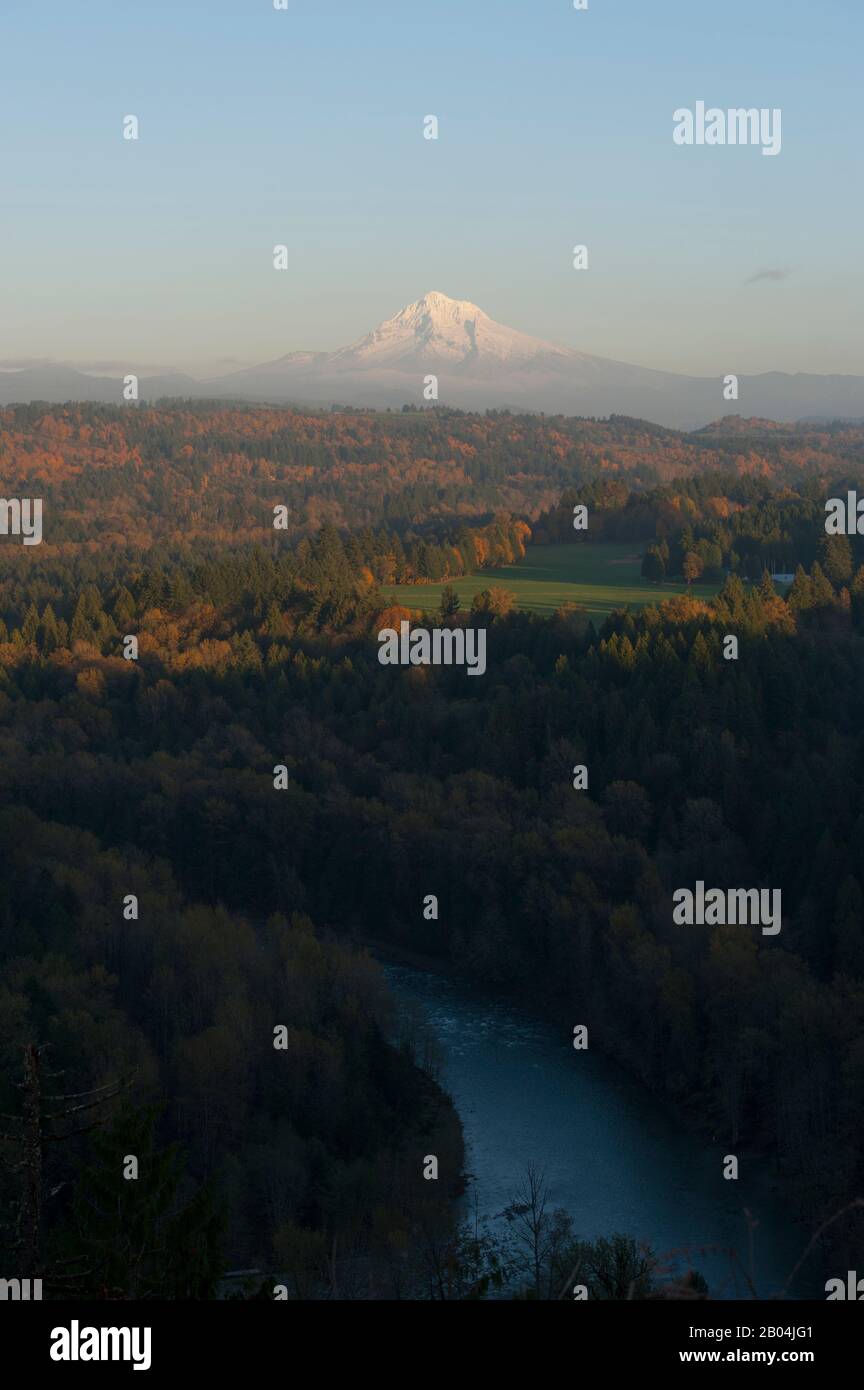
(157, 777)
(127, 478)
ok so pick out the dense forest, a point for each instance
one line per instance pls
(725, 522)
(271, 799)
(124, 479)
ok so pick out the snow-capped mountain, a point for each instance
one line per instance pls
(451, 332)
(477, 363)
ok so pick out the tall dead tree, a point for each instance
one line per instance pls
(37, 1127)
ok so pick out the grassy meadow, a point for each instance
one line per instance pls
(599, 575)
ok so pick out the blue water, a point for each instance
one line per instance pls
(611, 1154)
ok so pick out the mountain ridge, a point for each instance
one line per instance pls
(477, 363)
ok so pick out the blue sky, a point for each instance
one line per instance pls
(304, 127)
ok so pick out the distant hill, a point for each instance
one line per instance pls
(136, 475)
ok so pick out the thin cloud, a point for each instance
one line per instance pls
(768, 275)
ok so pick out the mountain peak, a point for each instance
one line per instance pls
(436, 329)
(440, 308)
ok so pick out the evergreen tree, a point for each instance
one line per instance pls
(30, 626)
(145, 1237)
(50, 629)
(450, 603)
(124, 609)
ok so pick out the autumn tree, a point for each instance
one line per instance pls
(692, 567)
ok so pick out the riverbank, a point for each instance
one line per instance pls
(687, 1117)
(613, 1159)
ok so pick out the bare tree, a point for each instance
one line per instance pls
(37, 1121)
(527, 1215)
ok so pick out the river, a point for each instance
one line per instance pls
(611, 1154)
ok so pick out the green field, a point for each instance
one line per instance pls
(599, 576)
